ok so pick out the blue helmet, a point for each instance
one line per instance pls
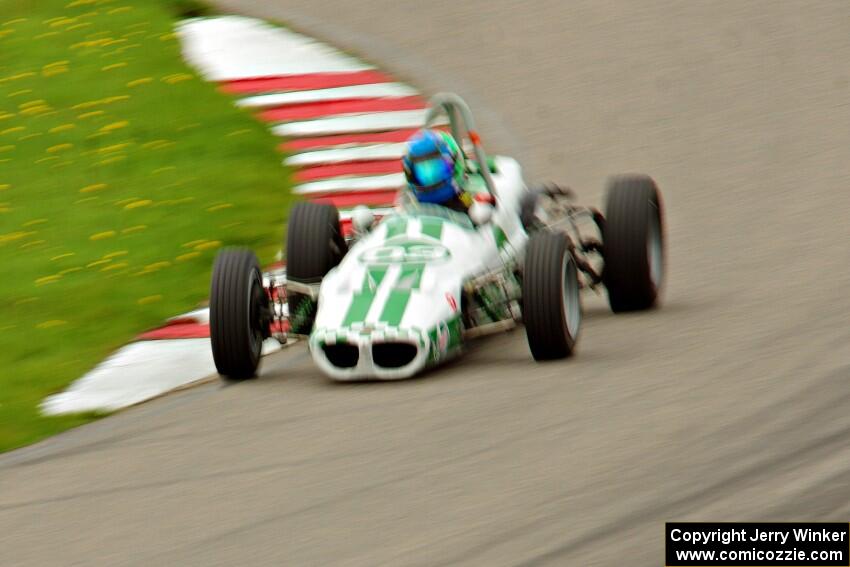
(433, 166)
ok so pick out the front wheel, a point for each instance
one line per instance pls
(239, 314)
(551, 303)
(633, 243)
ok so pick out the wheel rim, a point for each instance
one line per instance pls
(255, 304)
(569, 287)
(654, 252)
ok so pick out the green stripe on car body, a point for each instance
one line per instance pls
(433, 227)
(500, 236)
(408, 280)
(362, 300)
(396, 226)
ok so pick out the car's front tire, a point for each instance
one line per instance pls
(239, 310)
(551, 302)
(633, 243)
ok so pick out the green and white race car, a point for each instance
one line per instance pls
(406, 293)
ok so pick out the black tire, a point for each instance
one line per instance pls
(633, 243)
(551, 305)
(239, 314)
(314, 245)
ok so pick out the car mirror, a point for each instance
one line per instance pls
(481, 213)
(362, 219)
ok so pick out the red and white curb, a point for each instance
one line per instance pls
(343, 124)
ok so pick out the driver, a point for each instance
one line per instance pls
(436, 172)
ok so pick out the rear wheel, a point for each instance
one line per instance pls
(633, 243)
(551, 304)
(314, 245)
(239, 314)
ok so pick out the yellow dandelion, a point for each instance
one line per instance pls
(157, 144)
(59, 148)
(208, 245)
(70, 270)
(18, 76)
(48, 279)
(35, 222)
(113, 159)
(116, 254)
(138, 204)
(46, 159)
(86, 200)
(59, 21)
(90, 114)
(138, 82)
(193, 243)
(113, 148)
(176, 78)
(36, 110)
(33, 243)
(62, 128)
(219, 207)
(14, 236)
(51, 324)
(167, 36)
(93, 188)
(97, 263)
(54, 68)
(102, 235)
(13, 130)
(157, 266)
(20, 92)
(132, 229)
(113, 66)
(46, 34)
(5, 208)
(7, 148)
(30, 136)
(115, 126)
(149, 299)
(115, 266)
(26, 300)
(61, 256)
(6, 115)
(119, 10)
(77, 3)
(187, 256)
(10, 23)
(5, 186)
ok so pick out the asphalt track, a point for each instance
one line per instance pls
(730, 403)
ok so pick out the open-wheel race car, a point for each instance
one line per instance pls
(406, 292)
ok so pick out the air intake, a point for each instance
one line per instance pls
(393, 355)
(342, 355)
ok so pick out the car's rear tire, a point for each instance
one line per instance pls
(239, 310)
(551, 302)
(633, 243)
(314, 245)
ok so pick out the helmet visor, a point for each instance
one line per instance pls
(431, 171)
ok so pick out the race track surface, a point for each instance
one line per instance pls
(730, 403)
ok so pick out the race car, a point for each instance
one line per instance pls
(405, 293)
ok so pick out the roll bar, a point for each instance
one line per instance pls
(462, 126)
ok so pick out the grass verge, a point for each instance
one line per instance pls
(121, 173)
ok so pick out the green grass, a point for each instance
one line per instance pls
(121, 173)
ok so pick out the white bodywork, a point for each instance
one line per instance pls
(402, 282)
